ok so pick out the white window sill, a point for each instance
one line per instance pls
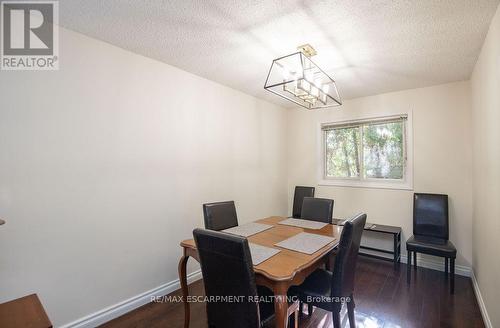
(397, 185)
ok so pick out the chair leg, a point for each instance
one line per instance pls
(415, 260)
(350, 313)
(336, 319)
(309, 309)
(446, 266)
(452, 273)
(293, 315)
(408, 266)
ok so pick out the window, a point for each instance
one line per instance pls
(370, 152)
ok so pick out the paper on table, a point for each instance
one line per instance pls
(304, 242)
(261, 253)
(307, 224)
(246, 230)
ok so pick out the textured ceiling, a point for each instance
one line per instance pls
(369, 47)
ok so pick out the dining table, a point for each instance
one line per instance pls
(278, 273)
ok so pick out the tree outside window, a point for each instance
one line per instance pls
(366, 150)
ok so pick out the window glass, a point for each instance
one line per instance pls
(342, 152)
(383, 151)
(366, 150)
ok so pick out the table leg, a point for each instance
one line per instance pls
(184, 287)
(280, 305)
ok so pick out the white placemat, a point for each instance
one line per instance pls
(261, 253)
(304, 242)
(307, 224)
(246, 230)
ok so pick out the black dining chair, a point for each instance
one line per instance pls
(329, 290)
(317, 209)
(298, 198)
(431, 232)
(227, 269)
(219, 216)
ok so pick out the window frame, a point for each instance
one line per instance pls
(404, 184)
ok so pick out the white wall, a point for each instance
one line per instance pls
(442, 158)
(485, 84)
(104, 166)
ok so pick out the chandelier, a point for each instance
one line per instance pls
(297, 78)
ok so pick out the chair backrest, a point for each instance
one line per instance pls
(347, 256)
(298, 198)
(317, 209)
(219, 216)
(226, 265)
(430, 215)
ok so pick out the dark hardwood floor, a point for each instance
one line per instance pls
(383, 299)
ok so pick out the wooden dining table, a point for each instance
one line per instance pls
(278, 273)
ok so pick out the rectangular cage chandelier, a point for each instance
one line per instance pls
(297, 78)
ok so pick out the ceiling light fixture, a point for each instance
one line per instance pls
(297, 78)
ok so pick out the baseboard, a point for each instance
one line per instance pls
(482, 306)
(461, 270)
(114, 311)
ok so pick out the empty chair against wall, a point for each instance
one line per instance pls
(431, 232)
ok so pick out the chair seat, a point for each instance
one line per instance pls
(317, 285)
(431, 246)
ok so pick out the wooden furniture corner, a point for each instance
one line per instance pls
(24, 312)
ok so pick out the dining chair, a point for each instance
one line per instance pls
(317, 209)
(330, 290)
(227, 269)
(298, 198)
(431, 233)
(220, 215)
